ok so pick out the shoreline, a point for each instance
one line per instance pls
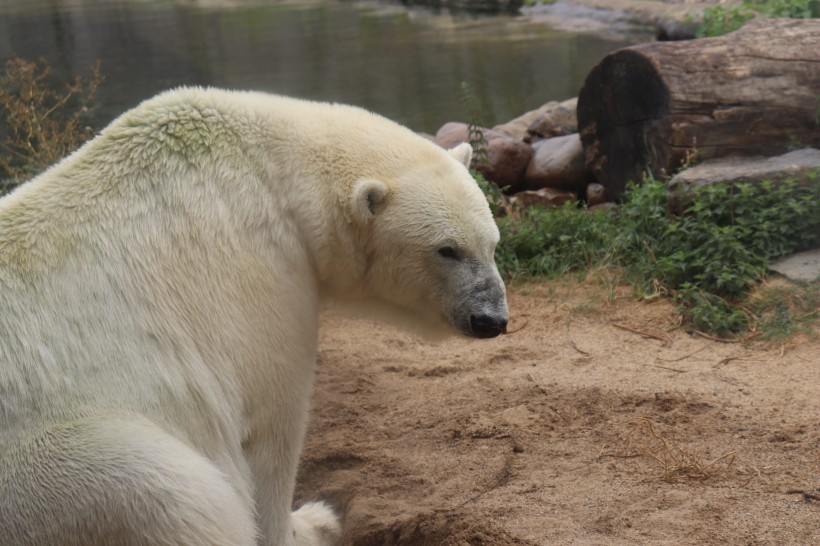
(619, 16)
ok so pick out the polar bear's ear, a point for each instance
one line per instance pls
(366, 200)
(463, 153)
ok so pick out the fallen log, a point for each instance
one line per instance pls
(648, 108)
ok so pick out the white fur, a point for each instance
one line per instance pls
(159, 298)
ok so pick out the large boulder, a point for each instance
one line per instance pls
(557, 120)
(803, 266)
(802, 165)
(508, 157)
(552, 119)
(558, 163)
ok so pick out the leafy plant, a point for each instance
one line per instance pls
(481, 154)
(708, 259)
(494, 196)
(791, 9)
(475, 130)
(546, 243)
(718, 20)
(42, 123)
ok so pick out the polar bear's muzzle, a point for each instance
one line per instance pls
(481, 310)
(487, 326)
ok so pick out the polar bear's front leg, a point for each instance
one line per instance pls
(315, 524)
(274, 470)
(272, 450)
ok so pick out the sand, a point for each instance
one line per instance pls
(596, 421)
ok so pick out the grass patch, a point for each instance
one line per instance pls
(708, 259)
(784, 309)
(719, 20)
(550, 243)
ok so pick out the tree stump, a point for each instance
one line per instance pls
(647, 108)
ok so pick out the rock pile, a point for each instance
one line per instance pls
(536, 159)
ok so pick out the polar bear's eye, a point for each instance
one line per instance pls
(448, 252)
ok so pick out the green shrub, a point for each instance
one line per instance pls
(791, 9)
(547, 243)
(718, 20)
(708, 259)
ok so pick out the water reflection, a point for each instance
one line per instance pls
(404, 63)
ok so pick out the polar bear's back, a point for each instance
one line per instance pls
(89, 249)
(349, 141)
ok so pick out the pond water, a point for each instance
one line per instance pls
(405, 63)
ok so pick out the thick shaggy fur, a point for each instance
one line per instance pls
(159, 299)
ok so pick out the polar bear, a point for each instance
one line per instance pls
(159, 298)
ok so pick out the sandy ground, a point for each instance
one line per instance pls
(594, 422)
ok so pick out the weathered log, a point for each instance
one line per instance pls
(752, 92)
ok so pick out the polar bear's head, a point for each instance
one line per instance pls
(427, 239)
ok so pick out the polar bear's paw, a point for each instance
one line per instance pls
(315, 524)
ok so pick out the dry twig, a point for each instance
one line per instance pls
(661, 336)
(667, 368)
(574, 346)
(677, 464)
(721, 340)
(510, 332)
(684, 357)
(728, 359)
(807, 495)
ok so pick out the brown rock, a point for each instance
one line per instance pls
(517, 128)
(548, 198)
(596, 194)
(508, 157)
(557, 120)
(558, 163)
(451, 134)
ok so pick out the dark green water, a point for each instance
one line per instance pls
(404, 63)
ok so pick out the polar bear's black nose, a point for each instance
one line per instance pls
(485, 326)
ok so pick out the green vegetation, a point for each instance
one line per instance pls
(548, 243)
(708, 259)
(785, 309)
(41, 122)
(719, 20)
(481, 154)
(475, 129)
